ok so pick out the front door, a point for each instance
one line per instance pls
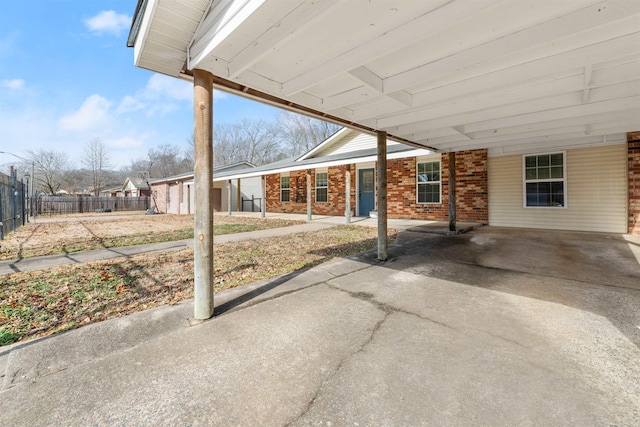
(366, 192)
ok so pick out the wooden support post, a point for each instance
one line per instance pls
(238, 196)
(347, 209)
(229, 198)
(263, 207)
(203, 176)
(309, 195)
(452, 192)
(382, 196)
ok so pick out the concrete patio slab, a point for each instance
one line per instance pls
(444, 333)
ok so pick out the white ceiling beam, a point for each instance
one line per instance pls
(353, 56)
(527, 75)
(367, 77)
(352, 96)
(559, 133)
(474, 103)
(594, 119)
(622, 104)
(435, 133)
(403, 97)
(545, 39)
(279, 33)
(404, 123)
(218, 27)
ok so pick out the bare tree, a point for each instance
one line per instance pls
(255, 141)
(49, 167)
(96, 159)
(189, 153)
(301, 133)
(163, 161)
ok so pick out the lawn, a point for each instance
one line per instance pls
(40, 303)
(74, 234)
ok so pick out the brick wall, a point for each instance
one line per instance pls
(161, 192)
(633, 150)
(335, 205)
(471, 189)
(471, 194)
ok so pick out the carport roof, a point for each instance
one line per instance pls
(509, 76)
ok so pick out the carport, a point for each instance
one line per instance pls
(447, 75)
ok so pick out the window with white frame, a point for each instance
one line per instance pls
(285, 188)
(544, 180)
(429, 182)
(322, 187)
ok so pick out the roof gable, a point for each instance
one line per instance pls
(343, 142)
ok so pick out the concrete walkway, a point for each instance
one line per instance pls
(318, 223)
(484, 328)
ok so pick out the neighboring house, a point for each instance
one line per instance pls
(176, 195)
(580, 185)
(136, 187)
(111, 192)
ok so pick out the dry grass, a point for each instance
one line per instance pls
(82, 233)
(45, 302)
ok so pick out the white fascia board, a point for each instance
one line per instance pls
(320, 164)
(214, 36)
(141, 38)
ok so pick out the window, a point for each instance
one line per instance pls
(429, 182)
(285, 188)
(322, 187)
(544, 180)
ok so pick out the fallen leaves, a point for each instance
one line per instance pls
(43, 302)
(78, 234)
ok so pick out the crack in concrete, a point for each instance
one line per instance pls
(502, 338)
(345, 359)
(370, 298)
(387, 310)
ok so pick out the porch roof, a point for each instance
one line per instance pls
(295, 164)
(509, 76)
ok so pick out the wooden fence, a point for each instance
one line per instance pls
(60, 205)
(12, 204)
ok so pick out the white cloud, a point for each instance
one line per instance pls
(109, 22)
(169, 87)
(129, 104)
(124, 142)
(162, 95)
(218, 95)
(93, 114)
(12, 84)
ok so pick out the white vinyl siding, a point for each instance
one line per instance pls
(595, 186)
(353, 141)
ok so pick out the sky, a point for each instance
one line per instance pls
(67, 78)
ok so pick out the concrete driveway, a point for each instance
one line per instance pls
(493, 327)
